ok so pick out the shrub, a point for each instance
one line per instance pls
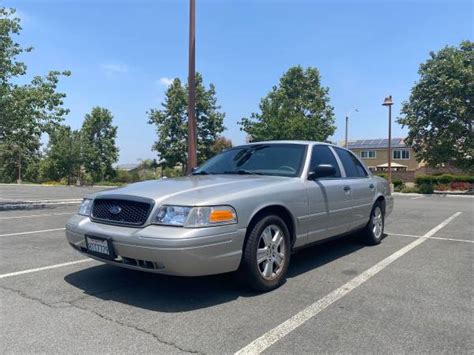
(461, 186)
(108, 183)
(425, 179)
(443, 187)
(172, 172)
(445, 179)
(469, 179)
(442, 179)
(382, 175)
(397, 183)
(426, 188)
(124, 176)
(408, 189)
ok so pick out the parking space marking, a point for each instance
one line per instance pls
(437, 238)
(271, 337)
(32, 232)
(45, 268)
(38, 215)
(416, 198)
(404, 235)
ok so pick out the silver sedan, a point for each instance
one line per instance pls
(246, 209)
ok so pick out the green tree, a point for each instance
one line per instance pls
(440, 111)
(171, 123)
(63, 156)
(298, 108)
(221, 144)
(26, 111)
(98, 144)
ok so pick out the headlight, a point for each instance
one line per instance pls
(172, 215)
(195, 216)
(86, 207)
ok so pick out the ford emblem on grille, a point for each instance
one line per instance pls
(115, 209)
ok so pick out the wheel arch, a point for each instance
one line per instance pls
(381, 200)
(278, 210)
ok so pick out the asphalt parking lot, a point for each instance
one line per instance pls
(412, 293)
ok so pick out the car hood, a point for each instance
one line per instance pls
(195, 190)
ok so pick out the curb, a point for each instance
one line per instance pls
(31, 205)
(464, 195)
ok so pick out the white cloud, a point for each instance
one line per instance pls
(115, 68)
(165, 81)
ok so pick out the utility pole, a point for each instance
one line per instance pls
(192, 136)
(346, 144)
(388, 102)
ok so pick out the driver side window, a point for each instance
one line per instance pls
(323, 155)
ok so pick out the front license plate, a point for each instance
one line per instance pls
(99, 246)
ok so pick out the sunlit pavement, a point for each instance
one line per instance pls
(54, 302)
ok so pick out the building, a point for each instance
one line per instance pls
(373, 152)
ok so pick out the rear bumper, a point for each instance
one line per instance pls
(162, 249)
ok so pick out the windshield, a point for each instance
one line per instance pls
(259, 159)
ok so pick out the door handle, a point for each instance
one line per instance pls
(347, 188)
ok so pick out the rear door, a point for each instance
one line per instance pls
(329, 203)
(361, 186)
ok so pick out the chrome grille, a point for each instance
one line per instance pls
(117, 211)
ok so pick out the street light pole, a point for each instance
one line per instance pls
(192, 136)
(347, 123)
(347, 126)
(388, 102)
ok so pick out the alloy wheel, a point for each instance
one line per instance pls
(271, 252)
(377, 222)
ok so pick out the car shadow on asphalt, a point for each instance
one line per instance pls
(164, 293)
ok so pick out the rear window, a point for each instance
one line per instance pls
(351, 164)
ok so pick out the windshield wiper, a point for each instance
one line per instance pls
(243, 172)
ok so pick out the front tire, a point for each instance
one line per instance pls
(373, 232)
(266, 254)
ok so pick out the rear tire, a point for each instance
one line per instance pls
(373, 232)
(266, 254)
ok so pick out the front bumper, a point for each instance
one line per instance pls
(163, 249)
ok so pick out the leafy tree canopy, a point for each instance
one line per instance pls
(26, 111)
(440, 111)
(171, 123)
(298, 108)
(99, 150)
(63, 155)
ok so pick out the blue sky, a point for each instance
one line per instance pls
(122, 54)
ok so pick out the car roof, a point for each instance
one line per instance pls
(290, 142)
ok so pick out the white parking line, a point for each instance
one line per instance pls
(437, 238)
(271, 337)
(416, 198)
(32, 232)
(39, 215)
(404, 235)
(45, 268)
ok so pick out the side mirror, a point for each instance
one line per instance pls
(322, 170)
